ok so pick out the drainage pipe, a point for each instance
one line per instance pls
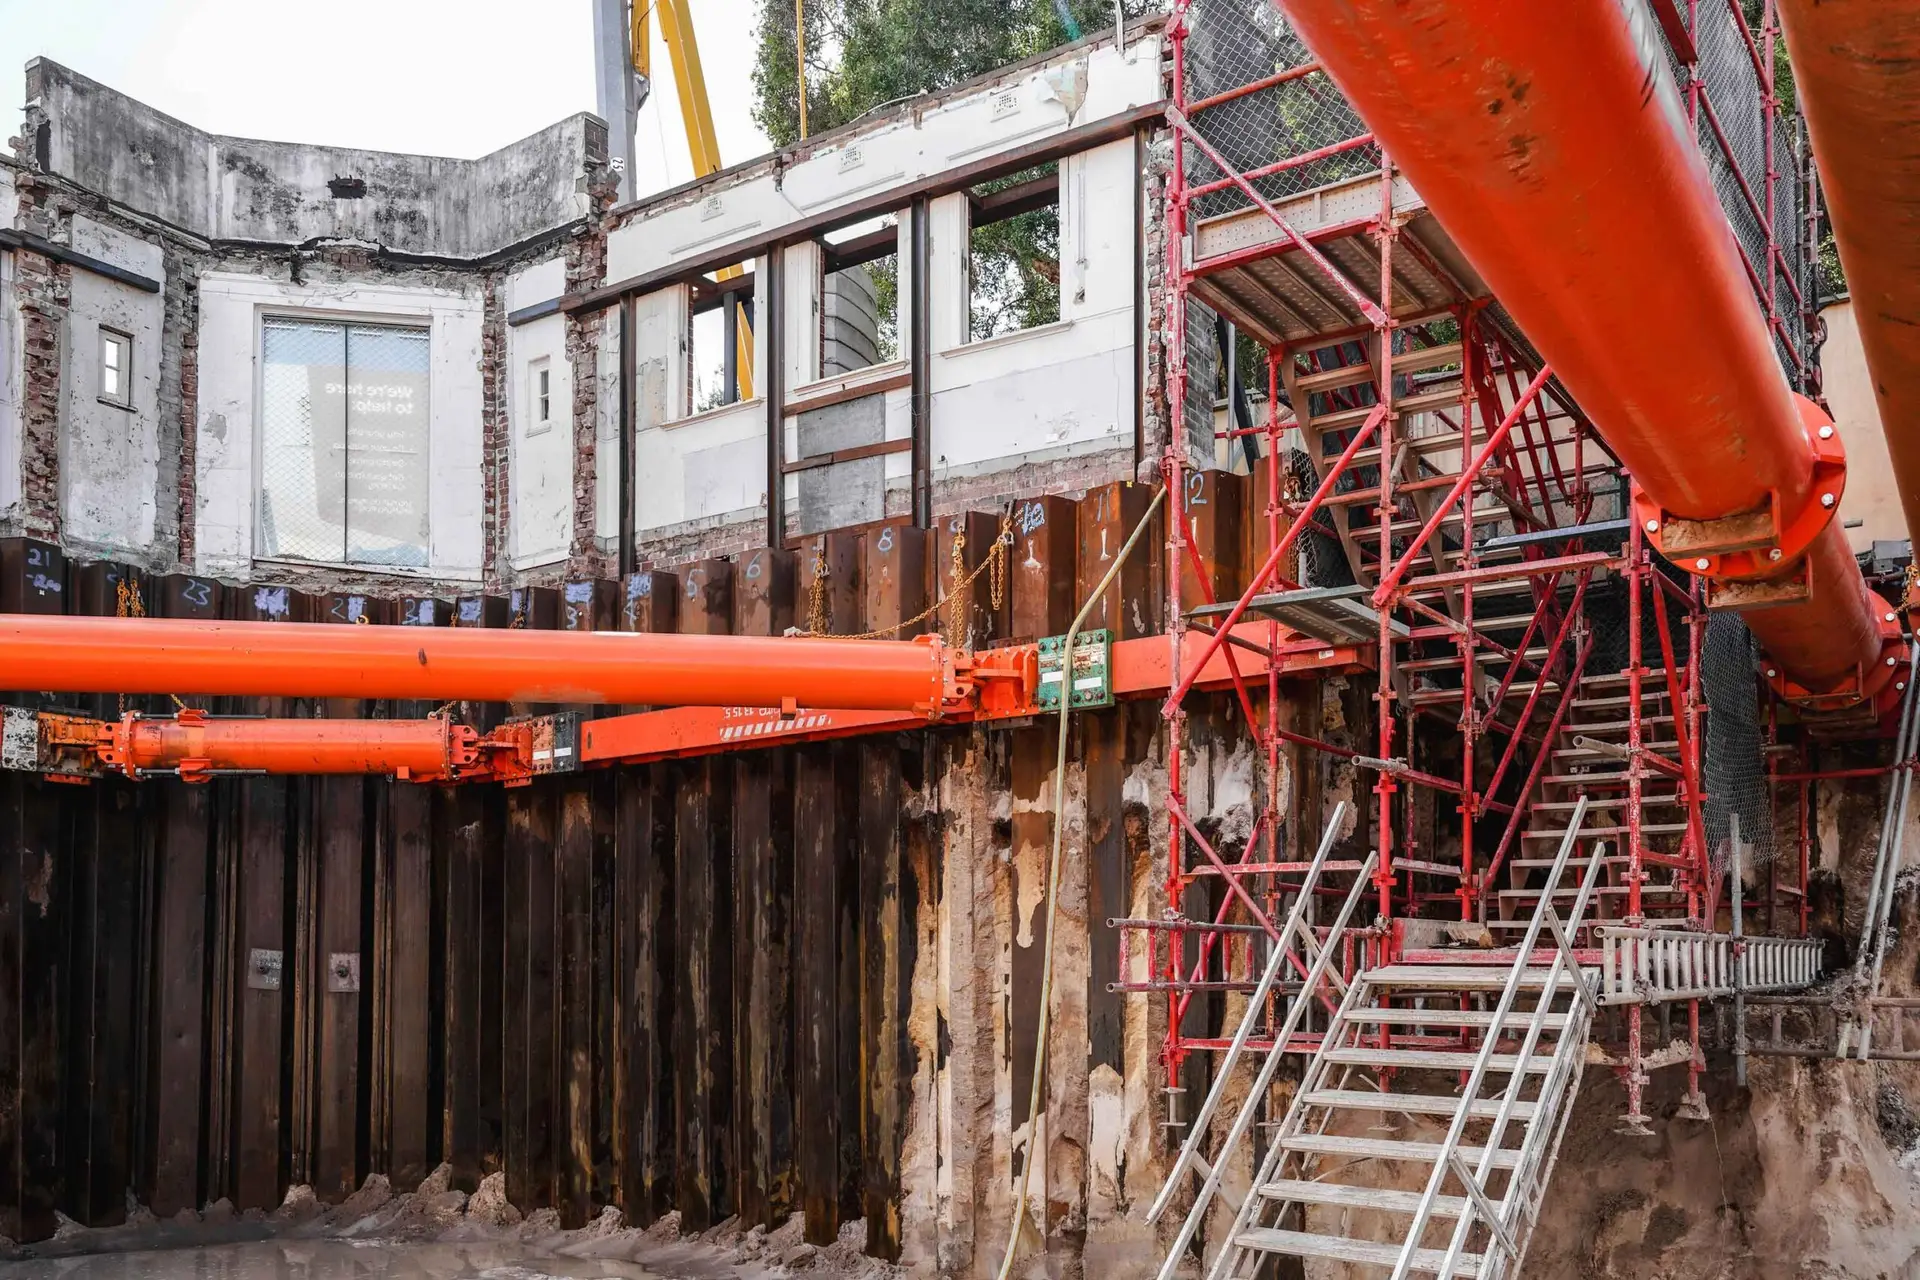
(1551, 143)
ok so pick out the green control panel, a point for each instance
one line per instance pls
(1091, 681)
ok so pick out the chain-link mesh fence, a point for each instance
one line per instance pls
(1733, 97)
(1241, 42)
(1732, 761)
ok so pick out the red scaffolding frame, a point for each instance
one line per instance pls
(1519, 442)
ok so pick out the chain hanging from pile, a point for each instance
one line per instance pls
(996, 564)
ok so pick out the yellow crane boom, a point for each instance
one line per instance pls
(696, 113)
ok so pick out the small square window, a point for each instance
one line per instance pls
(116, 367)
(539, 396)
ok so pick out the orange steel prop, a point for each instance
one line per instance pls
(1549, 140)
(198, 747)
(1856, 64)
(265, 659)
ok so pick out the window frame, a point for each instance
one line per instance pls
(110, 339)
(1045, 191)
(873, 246)
(539, 398)
(422, 323)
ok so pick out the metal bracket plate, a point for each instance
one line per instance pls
(1091, 684)
(264, 968)
(343, 971)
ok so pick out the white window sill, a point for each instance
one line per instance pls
(707, 415)
(111, 403)
(1011, 339)
(851, 381)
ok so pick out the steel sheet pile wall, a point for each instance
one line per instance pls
(732, 984)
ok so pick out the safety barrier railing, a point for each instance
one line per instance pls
(1642, 965)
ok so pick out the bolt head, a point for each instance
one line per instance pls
(1826, 433)
(1653, 526)
(1899, 686)
(1893, 662)
(1703, 564)
(1772, 674)
(1773, 553)
(1827, 500)
(1891, 615)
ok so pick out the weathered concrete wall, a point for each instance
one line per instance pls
(110, 453)
(542, 448)
(248, 190)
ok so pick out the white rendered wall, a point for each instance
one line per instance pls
(1060, 389)
(231, 307)
(709, 467)
(1017, 110)
(109, 453)
(540, 482)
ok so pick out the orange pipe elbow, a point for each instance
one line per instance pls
(1549, 140)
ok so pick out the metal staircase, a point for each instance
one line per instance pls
(1589, 764)
(1424, 1201)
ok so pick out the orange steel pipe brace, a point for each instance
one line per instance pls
(1856, 65)
(267, 659)
(1549, 140)
(198, 747)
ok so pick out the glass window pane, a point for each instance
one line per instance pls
(387, 475)
(303, 407)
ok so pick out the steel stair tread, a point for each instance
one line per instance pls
(1432, 1059)
(1323, 1144)
(1305, 1244)
(1380, 1199)
(1452, 977)
(1419, 1104)
(1446, 1017)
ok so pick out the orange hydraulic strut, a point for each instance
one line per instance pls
(265, 659)
(1548, 139)
(198, 746)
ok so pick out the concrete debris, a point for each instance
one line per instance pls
(489, 1204)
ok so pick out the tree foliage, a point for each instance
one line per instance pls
(864, 53)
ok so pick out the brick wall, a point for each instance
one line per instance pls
(496, 500)
(44, 289)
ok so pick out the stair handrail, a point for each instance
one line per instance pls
(1323, 954)
(1339, 1032)
(1443, 1161)
(1197, 1129)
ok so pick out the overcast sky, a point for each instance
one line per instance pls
(437, 77)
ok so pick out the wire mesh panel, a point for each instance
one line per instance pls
(1733, 765)
(1732, 131)
(1323, 562)
(1235, 43)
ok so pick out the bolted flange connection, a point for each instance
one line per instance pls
(1768, 545)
